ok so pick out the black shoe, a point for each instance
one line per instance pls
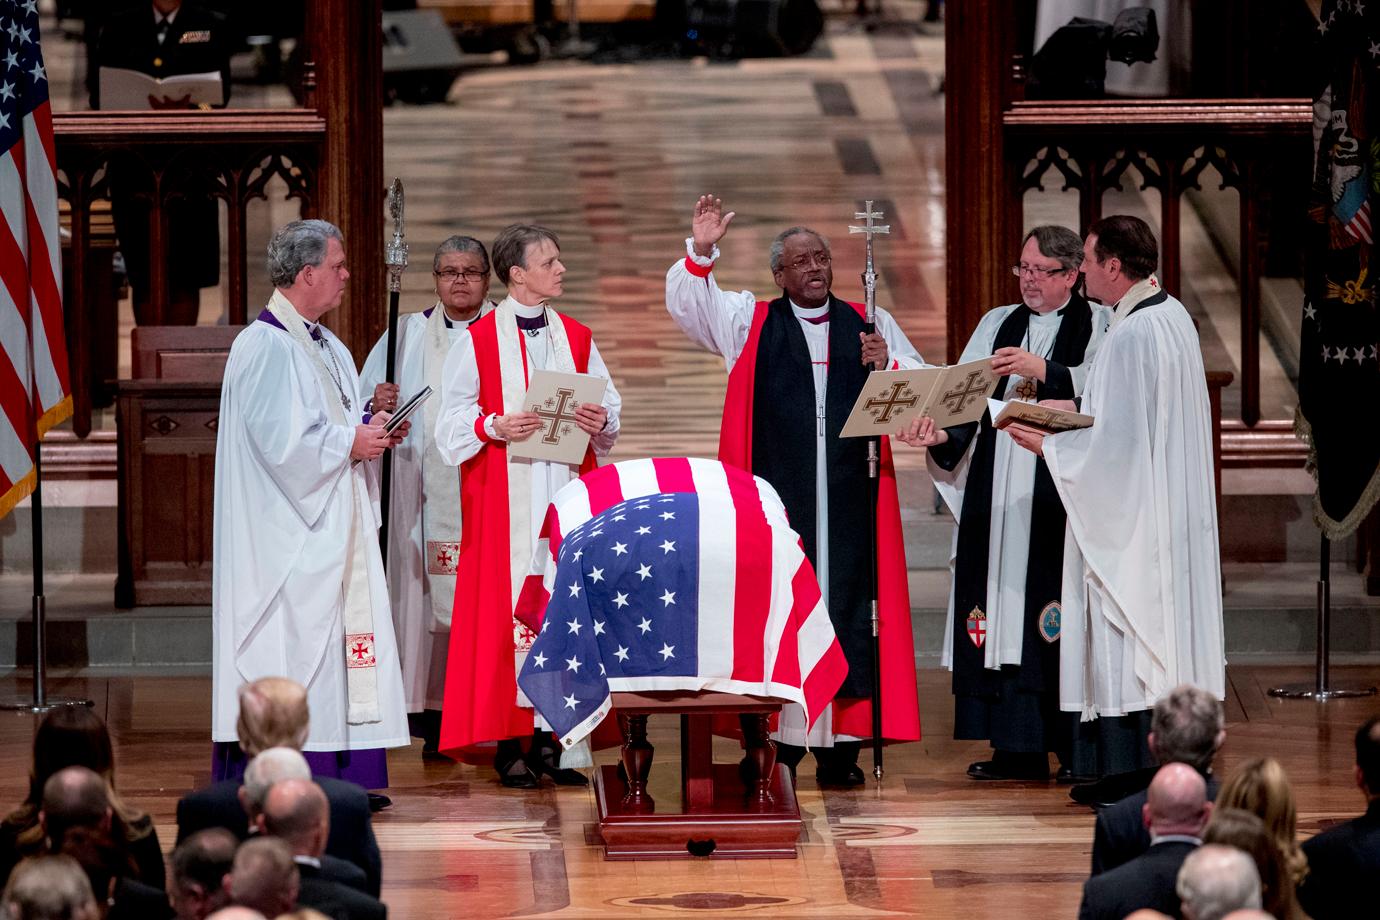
(378, 801)
(997, 769)
(544, 760)
(838, 765)
(1113, 788)
(1066, 777)
(517, 774)
(845, 775)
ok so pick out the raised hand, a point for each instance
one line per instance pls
(710, 223)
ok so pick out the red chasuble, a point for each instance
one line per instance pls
(481, 680)
(900, 702)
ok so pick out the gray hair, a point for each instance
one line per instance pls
(1059, 243)
(295, 246)
(460, 244)
(778, 245)
(1216, 880)
(272, 766)
(1187, 722)
(48, 888)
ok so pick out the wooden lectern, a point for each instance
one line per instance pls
(721, 814)
(167, 419)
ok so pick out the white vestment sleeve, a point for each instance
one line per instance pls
(298, 446)
(456, 440)
(375, 366)
(1101, 321)
(715, 320)
(902, 353)
(613, 402)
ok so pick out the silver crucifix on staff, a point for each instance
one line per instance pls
(869, 276)
(395, 260)
(870, 229)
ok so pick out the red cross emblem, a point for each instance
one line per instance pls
(359, 650)
(442, 557)
(977, 627)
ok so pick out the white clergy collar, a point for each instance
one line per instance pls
(521, 309)
(808, 312)
(1141, 290)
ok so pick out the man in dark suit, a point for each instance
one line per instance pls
(229, 804)
(165, 38)
(1188, 726)
(199, 866)
(296, 812)
(1343, 861)
(1175, 812)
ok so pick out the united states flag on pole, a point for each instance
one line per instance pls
(673, 574)
(34, 394)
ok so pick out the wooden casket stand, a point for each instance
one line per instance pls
(721, 814)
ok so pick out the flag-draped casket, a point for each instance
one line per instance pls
(672, 574)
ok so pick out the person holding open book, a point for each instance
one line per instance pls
(424, 536)
(504, 498)
(153, 41)
(1142, 586)
(1003, 632)
(796, 366)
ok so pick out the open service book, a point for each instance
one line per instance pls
(129, 90)
(953, 395)
(1044, 418)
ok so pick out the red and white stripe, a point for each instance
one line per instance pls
(34, 389)
(1359, 225)
(763, 627)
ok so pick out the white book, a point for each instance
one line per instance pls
(130, 90)
(554, 397)
(890, 400)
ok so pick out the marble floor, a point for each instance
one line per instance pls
(926, 842)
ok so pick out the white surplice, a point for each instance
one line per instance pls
(1142, 595)
(720, 321)
(1013, 484)
(286, 497)
(415, 593)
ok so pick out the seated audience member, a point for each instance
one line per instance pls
(1344, 861)
(1261, 787)
(76, 818)
(268, 768)
(1236, 827)
(199, 866)
(263, 877)
(48, 888)
(1175, 811)
(287, 823)
(297, 813)
(1187, 726)
(303, 913)
(236, 912)
(273, 713)
(1216, 880)
(74, 736)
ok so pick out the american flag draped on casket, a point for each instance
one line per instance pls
(672, 574)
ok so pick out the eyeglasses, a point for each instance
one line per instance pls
(1020, 270)
(450, 275)
(821, 259)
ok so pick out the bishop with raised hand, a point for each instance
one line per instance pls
(796, 366)
(298, 588)
(504, 500)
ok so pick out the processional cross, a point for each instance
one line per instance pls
(869, 230)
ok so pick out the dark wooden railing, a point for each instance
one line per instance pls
(1170, 143)
(229, 154)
